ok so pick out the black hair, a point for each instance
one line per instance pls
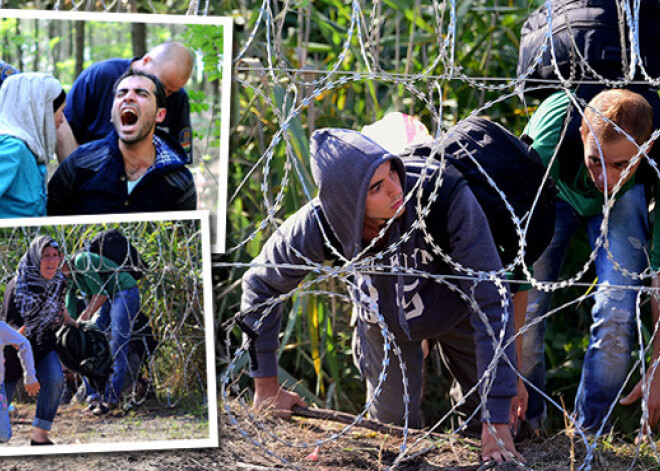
(59, 100)
(159, 91)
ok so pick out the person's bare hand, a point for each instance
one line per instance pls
(270, 396)
(492, 450)
(68, 320)
(519, 405)
(654, 400)
(33, 388)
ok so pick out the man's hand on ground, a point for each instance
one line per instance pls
(654, 398)
(268, 395)
(492, 450)
(519, 405)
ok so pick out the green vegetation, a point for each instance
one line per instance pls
(63, 48)
(270, 175)
(171, 293)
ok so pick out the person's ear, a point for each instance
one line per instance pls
(146, 59)
(160, 114)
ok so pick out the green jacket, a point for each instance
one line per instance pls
(93, 274)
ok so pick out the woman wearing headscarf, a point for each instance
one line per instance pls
(31, 110)
(34, 304)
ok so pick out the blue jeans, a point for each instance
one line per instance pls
(51, 382)
(5, 424)
(608, 354)
(118, 314)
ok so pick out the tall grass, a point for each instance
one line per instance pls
(170, 290)
(402, 39)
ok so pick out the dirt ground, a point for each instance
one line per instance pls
(364, 449)
(357, 449)
(144, 423)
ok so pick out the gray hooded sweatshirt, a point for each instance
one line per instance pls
(414, 307)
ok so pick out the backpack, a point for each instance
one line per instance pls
(517, 171)
(591, 31)
(114, 245)
(85, 350)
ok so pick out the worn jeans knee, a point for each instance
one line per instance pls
(51, 382)
(546, 269)
(118, 315)
(608, 355)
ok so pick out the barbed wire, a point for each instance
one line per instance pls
(170, 297)
(262, 63)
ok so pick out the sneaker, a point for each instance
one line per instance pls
(104, 407)
(35, 443)
(91, 407)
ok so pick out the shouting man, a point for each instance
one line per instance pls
(90, 99)
(134, 168)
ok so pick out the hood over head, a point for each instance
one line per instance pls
(343, 164)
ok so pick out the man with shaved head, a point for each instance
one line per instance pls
(89, 102)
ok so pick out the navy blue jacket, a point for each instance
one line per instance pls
(92, 180)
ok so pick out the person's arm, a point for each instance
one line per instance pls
(9, 336)
(76, 117)
(178, 121)
(85, 269)
(66, 141)
(277, 270)
(519, 403)
(71, 300)
(473, 247)
(546, 127)
(188, 199)
(94, 305)
(654, 389)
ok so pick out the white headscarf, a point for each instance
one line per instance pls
(26, 111)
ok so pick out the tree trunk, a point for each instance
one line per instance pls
(6, 52)
(37, 49)
(19, 49)
(56, 53)
(70, 41)
(80, 47)
(139, 39)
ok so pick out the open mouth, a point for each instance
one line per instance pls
(128, 116)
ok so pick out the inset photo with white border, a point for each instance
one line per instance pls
(109, 149)
(106, 328)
